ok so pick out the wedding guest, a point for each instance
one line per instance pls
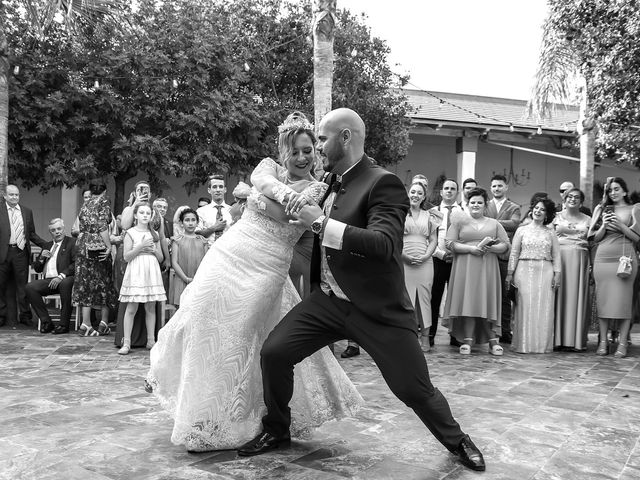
(139, 336)
(535, 198)
(57, 264)
(203, 202)
(142, 282)
(162, 206)
(564, 189)
(240, 195)
(215, 218)
(615, 228)
(468, 185)
(472, 309)
(572, 303)
(419, 242)
(75, 228)
(442, 258)
(424, 181)
(508, 214)
(534, 269)
(178, 230)
(17, 231)
(93, 286)
(188, 251)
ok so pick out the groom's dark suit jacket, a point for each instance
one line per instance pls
(374, 204)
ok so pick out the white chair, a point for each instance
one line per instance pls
(55, 297)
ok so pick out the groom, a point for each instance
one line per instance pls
(358, 292)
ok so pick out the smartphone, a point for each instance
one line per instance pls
(608, 209)
(142, 192)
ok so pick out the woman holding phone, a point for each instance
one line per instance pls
(534, 269)
(615, 228)
(474, 298)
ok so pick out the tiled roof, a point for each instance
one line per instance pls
(483, 111)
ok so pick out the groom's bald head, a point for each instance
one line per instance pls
(341, 135)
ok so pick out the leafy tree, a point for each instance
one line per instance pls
(185, 89)
(599, 40)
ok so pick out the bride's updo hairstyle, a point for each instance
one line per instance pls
(295, 124)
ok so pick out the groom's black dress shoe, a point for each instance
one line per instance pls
(263, 443)
(469, 455)
(350, 351)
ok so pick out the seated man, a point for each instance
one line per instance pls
(57, 261)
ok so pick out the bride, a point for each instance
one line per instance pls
(205, 367)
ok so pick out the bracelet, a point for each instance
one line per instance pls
(62, 276)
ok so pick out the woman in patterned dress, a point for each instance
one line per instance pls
(93, 285)
(205, 367)
(534, 268)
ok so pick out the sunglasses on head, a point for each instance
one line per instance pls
(562, 191)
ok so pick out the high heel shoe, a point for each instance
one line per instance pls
(621, 352)
(603, 348)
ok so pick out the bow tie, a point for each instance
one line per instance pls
(335, 182)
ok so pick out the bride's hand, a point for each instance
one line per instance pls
(296, 202)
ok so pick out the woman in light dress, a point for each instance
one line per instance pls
(572, 303)
(615, 229)
(474, 296)
(534, 269)
(419, 243)
(205, 367)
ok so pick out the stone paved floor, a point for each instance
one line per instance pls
(71, 408)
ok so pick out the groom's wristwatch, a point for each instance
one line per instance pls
(316, 226)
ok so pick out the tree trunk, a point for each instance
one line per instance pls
(4, 113)
(323, 33)
(586, 129)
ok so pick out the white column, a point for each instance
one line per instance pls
(69, 206)
(466, 149)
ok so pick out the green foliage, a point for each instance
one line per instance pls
(604, 36)
(174, 96)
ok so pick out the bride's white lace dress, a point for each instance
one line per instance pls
(205, 367)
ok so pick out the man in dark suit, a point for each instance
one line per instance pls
(57, 262)
(358, 292)
(508, 214)
(16, 232)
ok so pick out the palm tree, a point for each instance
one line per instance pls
(41, 14)
(558, 79)
(323, 34)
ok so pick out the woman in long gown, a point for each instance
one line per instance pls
(534, 268)
(205, 367)
(474, 298)
(419, 243)
(616, 229)
(572, 303)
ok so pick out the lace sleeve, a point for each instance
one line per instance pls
(266, 178)
(315, 191)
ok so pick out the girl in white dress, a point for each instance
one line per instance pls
(205, 368)
(142, 282)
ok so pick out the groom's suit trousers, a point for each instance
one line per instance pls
(322, 319)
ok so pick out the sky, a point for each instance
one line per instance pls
(488, 47)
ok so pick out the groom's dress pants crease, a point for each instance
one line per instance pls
(320, 320)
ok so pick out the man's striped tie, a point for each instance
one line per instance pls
(18, 228)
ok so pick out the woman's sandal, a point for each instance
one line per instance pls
(621, 352)
(495, 349)
(88, 331)
(603, 348)
(465, 348)
(124, 350)
(103, 328)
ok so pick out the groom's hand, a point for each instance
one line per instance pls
(306, 215)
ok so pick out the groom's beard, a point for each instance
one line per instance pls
(337, 155)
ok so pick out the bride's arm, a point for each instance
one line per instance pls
(265, 178)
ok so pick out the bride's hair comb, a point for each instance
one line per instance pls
(295, 121)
